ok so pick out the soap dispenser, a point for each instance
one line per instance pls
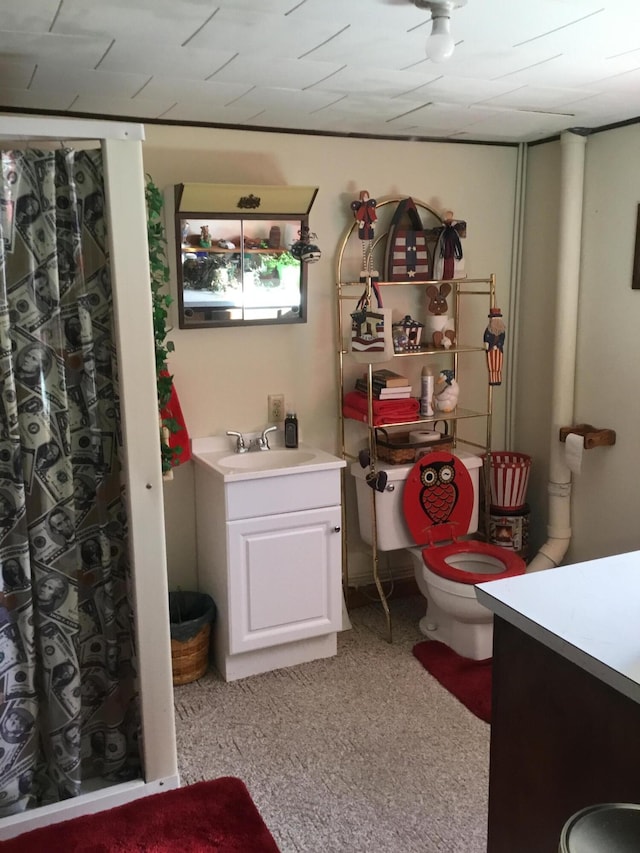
(291, 430)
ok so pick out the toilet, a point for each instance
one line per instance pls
(426, 508)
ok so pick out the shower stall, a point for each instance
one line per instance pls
(32, 568)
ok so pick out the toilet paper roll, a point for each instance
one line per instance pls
(424, 436)
(574, 447)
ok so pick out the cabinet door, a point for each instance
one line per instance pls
(285, 578)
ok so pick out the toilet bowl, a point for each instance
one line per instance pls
(426, 508)
(447, 580)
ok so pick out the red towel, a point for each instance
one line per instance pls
(180, 438)
(355, 406)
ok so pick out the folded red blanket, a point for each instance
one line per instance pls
(355, 405)
(378, 420)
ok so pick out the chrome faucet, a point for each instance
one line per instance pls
(262, 443)
(241, 447)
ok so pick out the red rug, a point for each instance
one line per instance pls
(468, 680)
(208, 816)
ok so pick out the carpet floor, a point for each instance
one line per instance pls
(361, 753)
(468, 680)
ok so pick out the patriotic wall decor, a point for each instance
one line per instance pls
(494, 336)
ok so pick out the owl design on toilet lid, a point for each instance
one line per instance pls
(438, 498)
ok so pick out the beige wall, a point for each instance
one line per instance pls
(605, 496)
(606, 506)
(223, 376)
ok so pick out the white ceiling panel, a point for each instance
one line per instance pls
(279, 73)
(627, 83)
(158, 21)
(198, 93)
(234, 114)
(132, 56)
(382, 83)
(288, 100)
(507, 123)
(442, 117)
(142, 108)
(366, 106)
(51, 78)
(521, 70)
(28, 15)
(37, 47)
(16, 74)
(535, 98)
(57, 101)
(265, 34)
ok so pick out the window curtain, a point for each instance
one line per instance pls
(68, 688)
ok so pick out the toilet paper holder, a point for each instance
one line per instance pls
(593, 436)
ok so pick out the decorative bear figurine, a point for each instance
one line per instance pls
(445, 397)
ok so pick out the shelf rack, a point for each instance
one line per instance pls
(350, 292)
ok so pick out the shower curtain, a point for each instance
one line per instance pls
(68, 690)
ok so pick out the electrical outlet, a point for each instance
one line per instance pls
(276, 408)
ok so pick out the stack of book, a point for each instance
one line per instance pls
(385, 385)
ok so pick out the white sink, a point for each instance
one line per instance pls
(260, 463)
(265, 460)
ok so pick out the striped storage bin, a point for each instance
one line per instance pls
(508, 479)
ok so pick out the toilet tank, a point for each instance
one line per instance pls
(392, 532)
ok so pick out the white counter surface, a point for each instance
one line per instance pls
(588, 612)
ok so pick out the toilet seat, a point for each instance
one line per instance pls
(435, 559)
(438, 501)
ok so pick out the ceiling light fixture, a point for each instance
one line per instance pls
(440, 44)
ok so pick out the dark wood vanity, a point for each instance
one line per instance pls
(566, 698)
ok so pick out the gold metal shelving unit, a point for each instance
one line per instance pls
(347, 293)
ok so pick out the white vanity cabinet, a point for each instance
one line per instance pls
(270, 555)
(283, 583)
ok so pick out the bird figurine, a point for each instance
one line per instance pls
(445, 397)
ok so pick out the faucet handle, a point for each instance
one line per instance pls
(264, 441)
(241, 447)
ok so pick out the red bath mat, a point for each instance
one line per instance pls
(218, 815)
(468, 680)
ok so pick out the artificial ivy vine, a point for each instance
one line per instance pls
(159, 271)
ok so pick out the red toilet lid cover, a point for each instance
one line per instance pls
(438, 498)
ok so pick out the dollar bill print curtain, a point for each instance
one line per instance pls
(68, 702)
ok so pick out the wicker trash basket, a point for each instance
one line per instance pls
(191, 615)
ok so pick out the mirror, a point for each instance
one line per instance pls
(234, 265)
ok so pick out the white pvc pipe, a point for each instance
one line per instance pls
(515, 279)
(565, 342)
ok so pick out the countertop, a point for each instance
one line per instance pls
(587, 612)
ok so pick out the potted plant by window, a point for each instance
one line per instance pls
(280, 269)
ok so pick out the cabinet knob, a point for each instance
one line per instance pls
(336, 529)
(390, 488)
